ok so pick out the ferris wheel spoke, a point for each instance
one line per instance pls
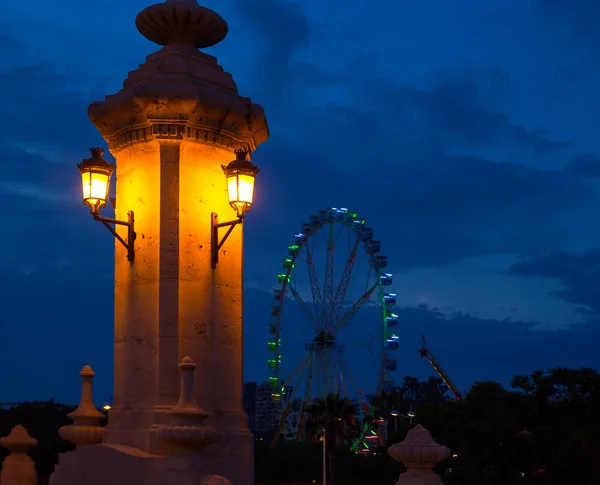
(298, 373)
(311, 367)
(326, 373)
(339, 376)
(288, 336)
(377, 331)
(343, 321)
(342, 288)
(328, 282)
(345, 371)
(320, 377)
(303, 305)
(314, 282)
(334, 371)
(368, 279)
(338, 381)
(373, 355)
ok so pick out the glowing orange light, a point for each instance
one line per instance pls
(95, 180)
(240, 175)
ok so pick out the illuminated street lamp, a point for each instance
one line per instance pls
(410, 415)
(240, 175)
(95, 180)
(95, 183)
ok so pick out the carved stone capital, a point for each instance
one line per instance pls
(163, 129)
(180, 91)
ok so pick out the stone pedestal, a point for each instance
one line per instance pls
(178, 118)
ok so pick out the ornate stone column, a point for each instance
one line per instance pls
(419, 454)
(178, 118)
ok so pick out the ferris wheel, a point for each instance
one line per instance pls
(333, 319)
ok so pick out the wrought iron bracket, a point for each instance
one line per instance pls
(130, 231)
(215, 243)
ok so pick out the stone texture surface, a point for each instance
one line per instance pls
(186, 430)
(419, 453)
(177, 119)
(182, 21)
(180, 93)
(18, 468)
(122, 465)
(86, 428)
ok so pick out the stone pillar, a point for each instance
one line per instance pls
(18, 467)
(178, 118)
(419, 454)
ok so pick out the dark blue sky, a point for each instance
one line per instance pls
(465, 132)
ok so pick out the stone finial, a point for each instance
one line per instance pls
(187, 403)
(181, 22)
(419, 453)
(86, 428)
(186, 430)
(18, 467)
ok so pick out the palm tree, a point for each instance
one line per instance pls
(384, 405)
(332, 416)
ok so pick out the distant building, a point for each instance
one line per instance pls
(263, 413)
(249, 402)
(267, 412)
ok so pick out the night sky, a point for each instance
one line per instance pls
(464, 131)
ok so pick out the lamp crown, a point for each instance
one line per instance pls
(97, 152)
(96, 162)
(241, 163)
(241, 153)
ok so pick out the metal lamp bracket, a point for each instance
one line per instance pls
(130, 231)
(215, 244)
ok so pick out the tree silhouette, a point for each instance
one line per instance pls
(332, 416)
(42, 420)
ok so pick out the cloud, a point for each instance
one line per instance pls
(578, 274)
(44, 105)
(453, 114)
(41, 194)
(7, 44)
(468, 348)
(577, 18)
(427, 211)
(283, 28)
(585, 166)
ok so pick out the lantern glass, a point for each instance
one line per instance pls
(94, 186)
(240, 188)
